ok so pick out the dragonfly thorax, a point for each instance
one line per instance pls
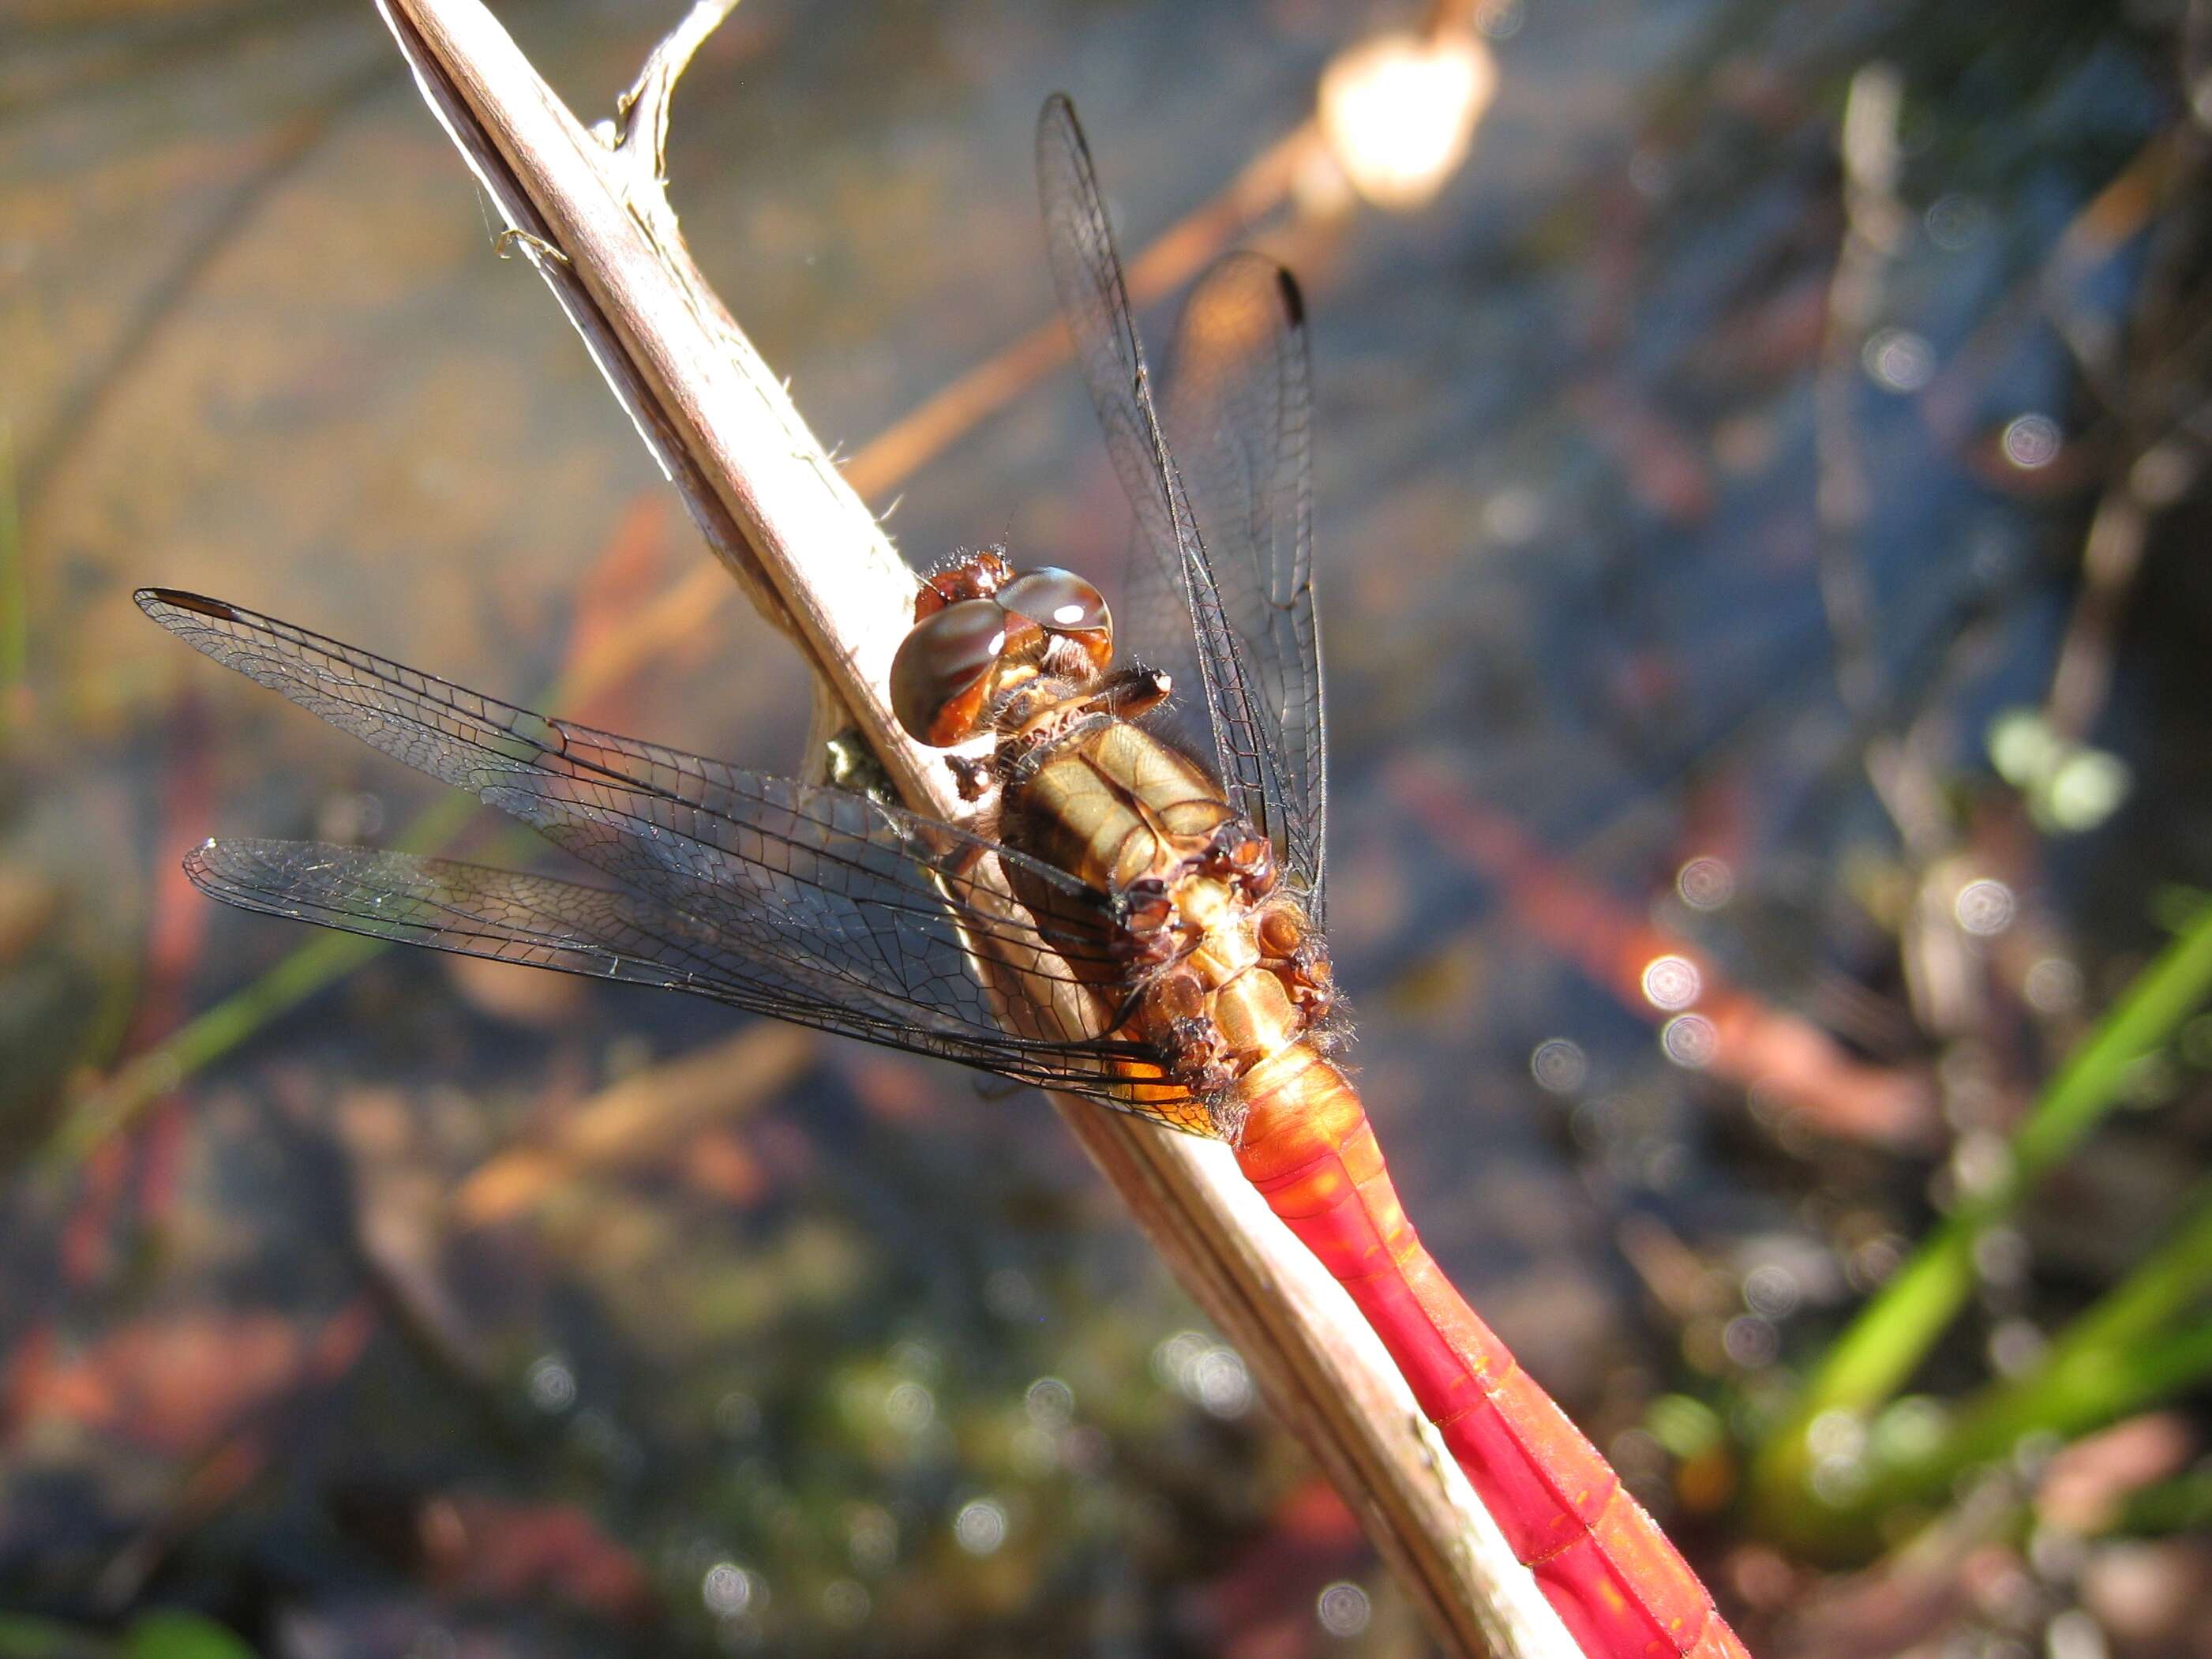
(1208, 954)
(1214, 965)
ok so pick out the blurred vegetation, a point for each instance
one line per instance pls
(2124, 1354)
(1762, 500)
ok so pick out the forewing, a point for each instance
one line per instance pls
(1087, 273)
(1239, 412)
(815, 904)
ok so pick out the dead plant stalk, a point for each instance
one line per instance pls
(588, 209)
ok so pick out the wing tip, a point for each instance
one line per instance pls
(216, 866)
(1060, 140)
(202, 865)
(157, 601)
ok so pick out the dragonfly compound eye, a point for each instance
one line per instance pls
(1061, 603)
(945, 669)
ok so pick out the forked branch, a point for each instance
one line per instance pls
(587, 208)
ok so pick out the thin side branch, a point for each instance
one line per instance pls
(2165, 424)
(1937, 965)
(644, 107)
(809, 553)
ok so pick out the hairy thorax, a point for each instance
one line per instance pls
(1207, 957)
(1216, 963)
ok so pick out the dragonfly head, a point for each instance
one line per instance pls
(980, 630)
(970, 573)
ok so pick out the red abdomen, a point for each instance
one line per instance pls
(1618, 1585)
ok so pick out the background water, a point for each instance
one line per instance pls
(349, 1341)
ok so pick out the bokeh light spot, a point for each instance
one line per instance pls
(1750, 1341)
(981, 1527)
(1559, 1067)
(2076, 1634)
(1955, 222)
(2088, 785)
(1050, 1402)
(1174, 1356)
(2053, 985)
(1501, 19)
(1205, 1371)
(1343, 1609)
(1221, 1383)
(1399, 111)
(910, 1406)
(1706, 883)
(1839, 1480)
(2031, 441)
(846, 1603)
(2015, 1345)
(1514, 515)
(727, 1590)
(1837, 1434)
(551, 1384)
(1690, 1041)
(1772, 1291)
(1899, 359)
(1984, 908)
(1671, 982)
(871, 1538)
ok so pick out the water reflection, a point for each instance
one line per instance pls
(470, 1316)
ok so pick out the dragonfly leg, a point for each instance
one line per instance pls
(1298, 956)
(1143, 918)
(1238, 854)
(1136, 689)
(972, 776)
(1179, 1022)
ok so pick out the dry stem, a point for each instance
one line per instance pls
(589, 212)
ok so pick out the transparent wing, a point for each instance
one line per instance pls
(608, 934)
(817, 905)
(1087, 273)
(1239, 412)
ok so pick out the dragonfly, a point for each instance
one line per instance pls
(1159, 857)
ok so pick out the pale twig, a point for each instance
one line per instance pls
(2160, 394)
(1951, 402)
(1938, 968)
(2111, 553)
(1873, 225)
(781, 516)
(636, 1122)
(646, 104)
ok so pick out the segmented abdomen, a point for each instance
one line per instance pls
(1618, 1585)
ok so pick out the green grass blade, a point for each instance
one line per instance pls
(1893, 1334)
(2182, 1504)
(2120, 1355)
